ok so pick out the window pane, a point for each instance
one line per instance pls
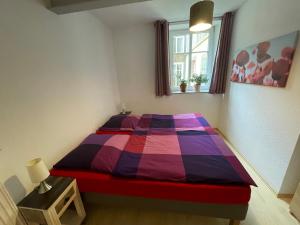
(180, 68)
(200, 42)
(199, 63)
(187, 41)
(181, 43)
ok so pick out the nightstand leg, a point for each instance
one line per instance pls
(79, 205)
(51, 217)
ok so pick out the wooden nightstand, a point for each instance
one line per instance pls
(61, 205)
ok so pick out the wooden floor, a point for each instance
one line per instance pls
(265, 209)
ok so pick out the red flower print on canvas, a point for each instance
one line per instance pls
(268, 63)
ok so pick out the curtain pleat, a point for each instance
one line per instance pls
(219, 76)
(162, 77)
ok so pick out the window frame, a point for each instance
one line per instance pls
(210, 52)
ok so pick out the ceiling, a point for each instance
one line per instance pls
(122, 16)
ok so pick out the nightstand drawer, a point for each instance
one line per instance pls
(33, 215)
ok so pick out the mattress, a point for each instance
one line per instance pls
(89, 181)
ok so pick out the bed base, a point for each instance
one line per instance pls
(234, 222)
(235, 213)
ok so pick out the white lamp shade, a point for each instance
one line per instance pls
(37, 170)
(200, 27)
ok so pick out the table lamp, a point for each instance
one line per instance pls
(123, 108)
(38, 173)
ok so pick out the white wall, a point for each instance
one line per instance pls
(135, 56)
(264, 123)
(57, 83)
(292, 175)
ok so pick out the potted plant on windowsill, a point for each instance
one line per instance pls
(183, 85)
(198, 80)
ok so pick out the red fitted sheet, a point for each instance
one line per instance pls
(89, 181)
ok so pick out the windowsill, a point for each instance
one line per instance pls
(190, 92)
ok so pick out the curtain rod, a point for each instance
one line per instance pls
(186, 21)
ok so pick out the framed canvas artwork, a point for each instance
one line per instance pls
(267, 63)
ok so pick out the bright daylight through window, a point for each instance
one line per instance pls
(192, 57)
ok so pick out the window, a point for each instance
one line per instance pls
(191, 53)
(179, 44)
(178, 70)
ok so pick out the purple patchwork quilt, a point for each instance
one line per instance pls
(121, 123)
(176, 122)
(182, 156)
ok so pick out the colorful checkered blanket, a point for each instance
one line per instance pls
(182, 156)
(177, 122)
(121, 123)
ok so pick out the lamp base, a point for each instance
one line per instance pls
(44, 187)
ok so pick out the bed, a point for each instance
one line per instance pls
(176, 122)
(122, 124)
(164, 158)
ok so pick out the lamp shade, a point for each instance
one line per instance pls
(201, 16)
(37, 170)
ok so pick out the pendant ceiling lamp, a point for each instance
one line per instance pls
(201, 16)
